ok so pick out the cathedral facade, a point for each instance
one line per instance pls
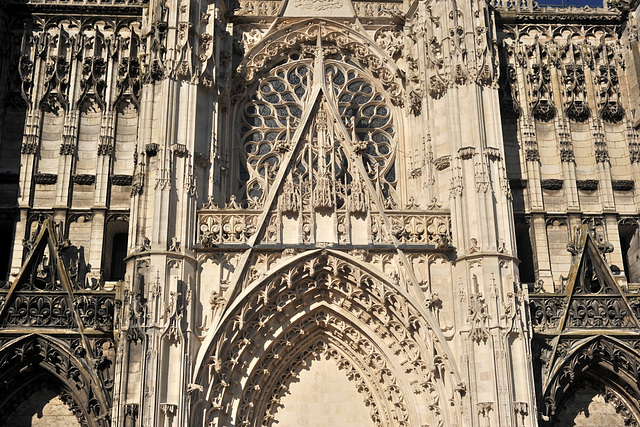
(319, 213)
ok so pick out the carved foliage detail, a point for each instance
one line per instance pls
(576, 104)
(342, 285)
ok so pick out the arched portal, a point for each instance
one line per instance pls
(41, 402)
(323, 391)
(596, 370)
(591, 403)
(325, 305)
(38, 373)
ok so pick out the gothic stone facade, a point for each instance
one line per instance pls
(319, 212)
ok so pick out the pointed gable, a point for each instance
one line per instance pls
(595, 300)
(43, 295)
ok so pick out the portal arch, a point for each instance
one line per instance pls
(32, 360)
(331, 298)
(605, 361)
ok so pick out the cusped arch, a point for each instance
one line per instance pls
(338, 334)
(275, 310)
(607, 360)
(34, 356)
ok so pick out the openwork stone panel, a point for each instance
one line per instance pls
(237, 226)
(322, 173)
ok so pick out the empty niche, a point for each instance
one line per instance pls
(125, 138)
(525, 253)
(6, 229)
(115, 250)
(88, 135)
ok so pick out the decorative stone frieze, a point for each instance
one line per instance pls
(551, 184)
(587, 185)
(121, 180)
(84, 179)
(622, 185)
(45, 178)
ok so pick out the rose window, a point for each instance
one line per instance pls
(350, 109)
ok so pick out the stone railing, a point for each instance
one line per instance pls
(532, 5)
(237, 226)
(226, 226)
(412, 228)
(375, 9)
(546, 311)
(54, 309)
(591, 311)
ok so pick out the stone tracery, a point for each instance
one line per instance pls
(345, 40)
(275, 111)
(326, 297)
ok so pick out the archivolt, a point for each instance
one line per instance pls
(79, 389)
(374, 327)
(321, 332)
(316, 346)
(611, 360)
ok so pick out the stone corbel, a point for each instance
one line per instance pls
(484, 408)
(169, 409)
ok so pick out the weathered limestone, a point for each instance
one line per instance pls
(327, 212)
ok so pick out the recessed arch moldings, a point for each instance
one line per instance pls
(267, 312)
(53, 359)
(281, 39)
(358, 391)
(612, 361)
(618, 399)
(320, 331)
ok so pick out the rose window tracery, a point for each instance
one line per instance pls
(349, 109)
(269, 120)
(368, 117)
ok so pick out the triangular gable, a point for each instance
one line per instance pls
(595, 307)
(595, 301)
(332, 181)
(42, 293)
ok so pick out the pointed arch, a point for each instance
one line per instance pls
(277, 43)
(608, 361)
(61, 363)
(330, 296)
(589, 331)
(324, 329)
